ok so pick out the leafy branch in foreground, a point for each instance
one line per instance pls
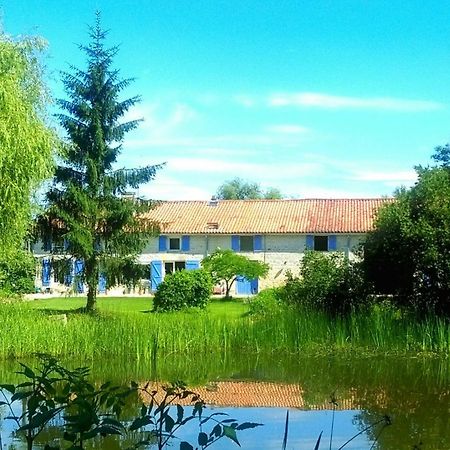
(84, 412)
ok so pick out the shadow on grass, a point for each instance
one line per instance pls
(70, 312)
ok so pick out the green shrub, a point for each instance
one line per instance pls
(17, 273)
(328, 282)
(266, 302)
(182, 289)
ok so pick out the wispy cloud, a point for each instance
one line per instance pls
(245, 100)
(328, 101)
(390, 177)
(172, 188)
(261, 169)
(161, 120)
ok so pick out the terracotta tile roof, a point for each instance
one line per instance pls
(267, 216)
(256, 394)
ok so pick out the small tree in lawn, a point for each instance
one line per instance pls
(226, 265)
(86, 205)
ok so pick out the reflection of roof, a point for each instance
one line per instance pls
(267, 216)
(257, 394)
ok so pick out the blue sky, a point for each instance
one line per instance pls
(337, 98)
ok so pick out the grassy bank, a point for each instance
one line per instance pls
(127, 328)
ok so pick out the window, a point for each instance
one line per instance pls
(61, 270)
(174, 244)
(172, 266)
(321, 243)
(246, 243)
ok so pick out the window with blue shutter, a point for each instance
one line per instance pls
(257, 243)
(155, 274)
(185, 243)
(309, 242)
(332, 243)
(192, 264)
(46, 272)
(235, 243)
(162, 243)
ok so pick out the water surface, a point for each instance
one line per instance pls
(413, 392)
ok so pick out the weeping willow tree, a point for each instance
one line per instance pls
(26, 142)
(87, 205)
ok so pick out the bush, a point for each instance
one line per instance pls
(17, 274)
(266, 302)
(328, 282)
(182, 289)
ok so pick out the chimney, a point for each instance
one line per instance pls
(213, 201)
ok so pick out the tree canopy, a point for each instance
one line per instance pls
(87, 205)
(238, 189)
(408, 252)
(26, 141)
(226, 265)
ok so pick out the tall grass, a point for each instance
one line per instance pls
(137, 335)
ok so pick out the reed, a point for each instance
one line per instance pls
(138, 334)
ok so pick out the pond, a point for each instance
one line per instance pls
(413, 392)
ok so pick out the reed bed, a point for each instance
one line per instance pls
(138, 335)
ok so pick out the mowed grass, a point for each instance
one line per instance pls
(127, 328)
(137, 305)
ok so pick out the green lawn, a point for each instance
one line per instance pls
(217, 307)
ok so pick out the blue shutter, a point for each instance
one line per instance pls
(332, 243)
(46, 272)
(68, 277)
(185, 243)
(101, 283)
(235, 243)
(79, 269)
(163, 243)
(155, 274)
(309, 242)
(243, 286)
(257, 243)
(192, 264)
(254, 286)
(65, 244)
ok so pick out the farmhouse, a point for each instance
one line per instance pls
(274, 231)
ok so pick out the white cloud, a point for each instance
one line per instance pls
(388, 177)
(159, 121)
(171, 188)
(276, 138)
(327, 101)
(255, 171)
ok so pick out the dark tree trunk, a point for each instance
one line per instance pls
(91, 280)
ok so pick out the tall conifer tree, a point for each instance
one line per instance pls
(87, 205)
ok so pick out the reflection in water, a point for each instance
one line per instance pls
(414, 392)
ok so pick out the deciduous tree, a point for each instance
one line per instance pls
(226, 265)
(238, 189)
(87, 205)
(408, 252)
(26, 141)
